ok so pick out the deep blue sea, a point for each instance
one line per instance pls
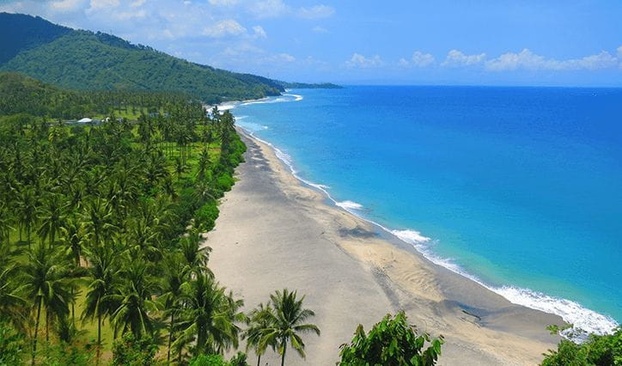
(517, 188)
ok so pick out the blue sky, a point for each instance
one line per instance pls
(475, 42)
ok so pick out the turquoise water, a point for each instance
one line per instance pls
(517, 188)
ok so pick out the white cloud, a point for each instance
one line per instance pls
(420, 59)
(359, 61)
(129, 15)
(137, 3)
(456, 58)
(285, 57)
(318, 29)
(259, 32)
(228, 27)
(316, 12)
(269, 8)
(528, 60)
(104, 4)
(66, 5)
(223, 2)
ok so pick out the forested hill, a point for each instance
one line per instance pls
(85, 60)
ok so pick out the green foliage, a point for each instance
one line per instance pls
(218, 360)
(11, 346)
(66, 354)
(238, 360)
(208, 360)
(26, 33)
(89, 216)
(598, 350)
(129, 351)
(96, 61)
(281, 324)
(206, 216)
(391, 342)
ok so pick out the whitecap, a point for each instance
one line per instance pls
(297, 97)
(582, 319)
(349, 205)
(411, 236)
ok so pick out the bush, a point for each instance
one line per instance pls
(205, 217)
(129, 351)
(598, 350)
(392, 342)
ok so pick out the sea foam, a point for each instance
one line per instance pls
(582, 319)
(350, 205)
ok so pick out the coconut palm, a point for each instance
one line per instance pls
(102, 277)
(12, 302)
(51, 217)
(136, 305)
(209, 316)
(287, 322)
(259, 326)
(27, 211)
(195, 254)
(175, 275)
(98, 221)
(47, 283)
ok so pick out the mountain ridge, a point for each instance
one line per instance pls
(85, 60)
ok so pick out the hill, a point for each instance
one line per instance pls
(84, 60)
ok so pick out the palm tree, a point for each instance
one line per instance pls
(287, 321)
(103, 274)
(209, 317)
(259, 326)
(26, 211)
(12, 303)
(98, 220)
(135, 300)
(195, 254)
(51, 217)
(72, 238)
(47, 283)
(175, 275)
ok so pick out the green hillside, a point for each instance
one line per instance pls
(85, 60)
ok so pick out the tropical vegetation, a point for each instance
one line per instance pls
(100, 245)
(597, 350)
(391, 342)
(84, 60)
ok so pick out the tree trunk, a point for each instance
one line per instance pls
(47, 325)
(283, 356)
(99, 337)
(34, 342)
(170, 338)
(258, 359)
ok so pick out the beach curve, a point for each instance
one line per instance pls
(275, 232)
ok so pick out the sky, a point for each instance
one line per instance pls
(429, 42)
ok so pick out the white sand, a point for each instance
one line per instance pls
(275, 233)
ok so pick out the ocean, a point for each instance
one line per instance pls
(519, 189)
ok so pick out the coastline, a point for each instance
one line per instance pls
(275, 232)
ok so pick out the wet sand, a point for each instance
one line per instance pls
(274, 232)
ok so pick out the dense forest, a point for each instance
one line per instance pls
(102, 256)
(83, 60)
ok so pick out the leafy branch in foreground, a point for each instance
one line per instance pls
(391, 342)
(597, 350)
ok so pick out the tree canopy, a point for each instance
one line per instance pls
(391, 342)
(85, 60)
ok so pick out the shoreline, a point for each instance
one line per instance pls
(272, 224)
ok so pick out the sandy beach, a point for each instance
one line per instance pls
(274, 232)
